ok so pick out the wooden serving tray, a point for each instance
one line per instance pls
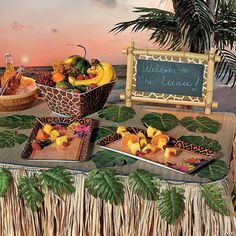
(188, 154)
(76, 151)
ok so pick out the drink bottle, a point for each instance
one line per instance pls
(9, 71)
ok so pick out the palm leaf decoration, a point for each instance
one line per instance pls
(105, 185)
(142, 183)
(58, 179)
(213, 197)
(171, 204)
(28, 188)
(5, 177)
(162, 24)
(194, 18)
(17, 121)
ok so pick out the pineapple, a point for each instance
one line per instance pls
(170, 152)
(140, 135)
(120, 129)
(134, 147)
(61, 140)
(54, 135)
(149, 148)
(161, 143)
(151, 131)
(157, 133)
(47, 128)
(123, 134)
(143, 142)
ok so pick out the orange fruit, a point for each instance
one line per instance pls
(40, 135)
(133, 137)
(57, 77)
(155, 139)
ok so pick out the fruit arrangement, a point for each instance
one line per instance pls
(59, 134)
(76, 74)
(149, 142)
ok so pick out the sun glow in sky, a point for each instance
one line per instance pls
(37, 33)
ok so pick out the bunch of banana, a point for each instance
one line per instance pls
(103, 71)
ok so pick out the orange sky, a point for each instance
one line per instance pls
(37, 33)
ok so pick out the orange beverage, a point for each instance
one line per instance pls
(9, 71)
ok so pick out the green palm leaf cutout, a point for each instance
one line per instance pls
(10, 138)
(28, 188)
(17, 121)
(171, 204)
(101, 132)
(142, 183)
(201, 124)
(5, 177)
(58, 179)
(213, 198)
(205, 142)
(214, 171)
(108, 158)
(234, 196)
(105, 185)
(116, 113)
(164, 122)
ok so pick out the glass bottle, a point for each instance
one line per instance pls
(9, 71)
(14, 82)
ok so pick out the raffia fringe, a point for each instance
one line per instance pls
(83, 215)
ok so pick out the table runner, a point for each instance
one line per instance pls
(225, 137)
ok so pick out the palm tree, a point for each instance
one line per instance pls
(197, 24)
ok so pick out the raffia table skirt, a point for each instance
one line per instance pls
(82, 214)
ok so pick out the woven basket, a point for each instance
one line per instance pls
(70, 104)
(19, 102)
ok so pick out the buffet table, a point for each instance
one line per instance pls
(82, 214)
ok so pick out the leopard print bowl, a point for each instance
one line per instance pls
(70, 104)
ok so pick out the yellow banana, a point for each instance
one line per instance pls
(109, 73)
(100, 73)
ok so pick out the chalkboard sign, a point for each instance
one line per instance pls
(169, 77)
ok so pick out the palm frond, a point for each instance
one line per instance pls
(225, 24)
(164, 27)
(194, 18)
(226, 68)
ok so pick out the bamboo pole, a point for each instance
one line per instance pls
(210, 80)
(167, 101)
(129, 74)
(152, 52)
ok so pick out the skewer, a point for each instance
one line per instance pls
(40, 121)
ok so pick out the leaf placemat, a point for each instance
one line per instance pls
(214, 171)
(164, 122)
(117, 114)
(17, 121)
(10, 138)
(201, 124)
(205, 142)
(106, 158)
(101, 132)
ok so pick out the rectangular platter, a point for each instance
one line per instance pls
(75, 151)
(189, 158)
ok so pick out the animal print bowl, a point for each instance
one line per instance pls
(70, 104)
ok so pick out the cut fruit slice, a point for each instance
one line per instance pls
(61, 140)
(170, 152)
(47, 128)
(162, 142)
(120, 129)
(143, 142)
(140, 135)
(54, 135)
(150, 149)
(157, 133)
(123, 134)
(151, 131)
(156, 138)
(133, 137)
(40, 135)
(134, 147)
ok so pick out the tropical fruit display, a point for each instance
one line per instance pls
(76, 74)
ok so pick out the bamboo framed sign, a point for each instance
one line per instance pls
(170, 77)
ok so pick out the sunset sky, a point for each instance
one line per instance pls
(37, 33)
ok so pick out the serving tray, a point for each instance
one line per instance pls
(189, 158)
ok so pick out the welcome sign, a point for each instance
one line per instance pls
(169, 77)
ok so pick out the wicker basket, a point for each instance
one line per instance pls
(70, 104)
(18, 102)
